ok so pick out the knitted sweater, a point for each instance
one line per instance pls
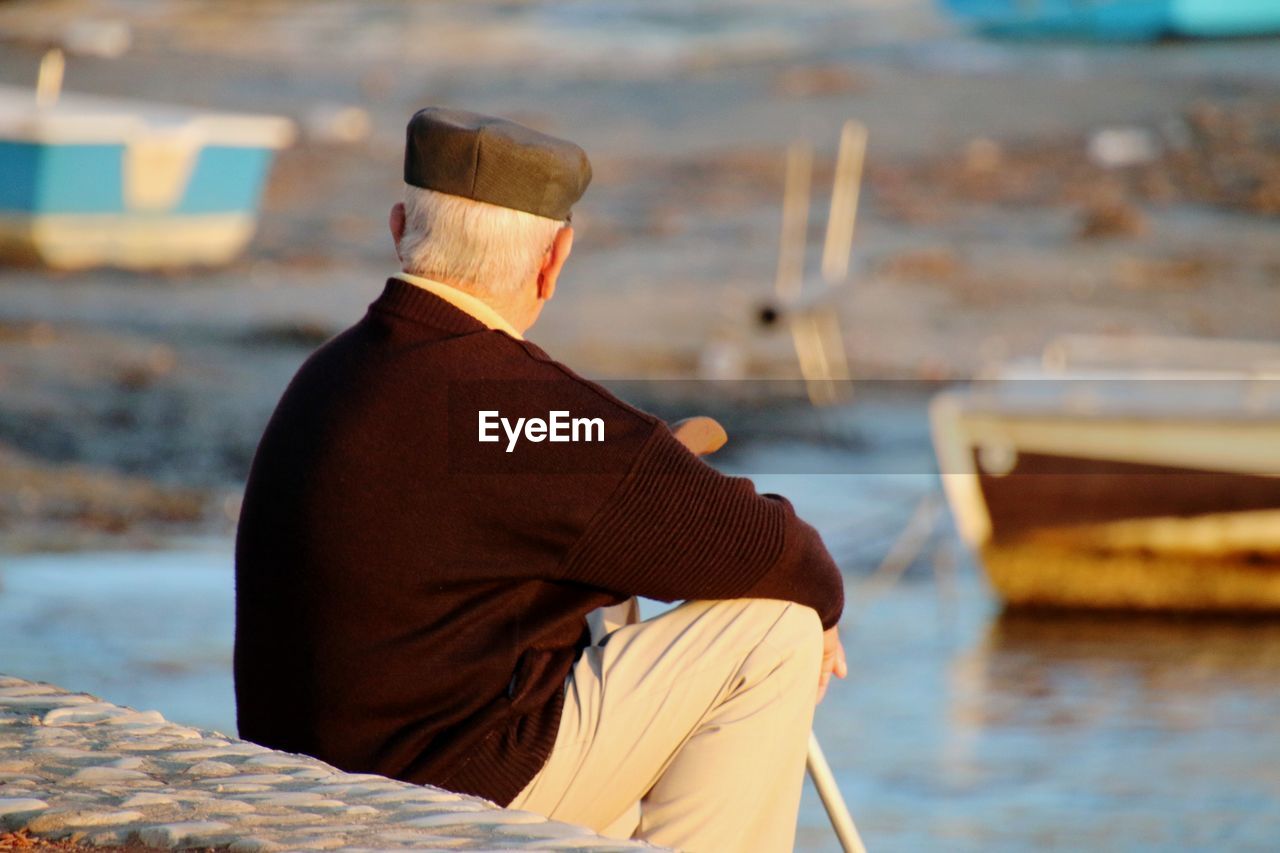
(410, 599)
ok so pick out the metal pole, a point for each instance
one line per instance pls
(832, 801)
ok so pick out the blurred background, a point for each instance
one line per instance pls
(193, 196)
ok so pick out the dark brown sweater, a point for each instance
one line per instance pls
(409, 600)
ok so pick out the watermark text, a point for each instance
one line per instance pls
(558, 426)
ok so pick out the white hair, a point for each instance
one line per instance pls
(486, 248)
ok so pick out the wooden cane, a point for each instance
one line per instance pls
(825, 781)
(702, 436)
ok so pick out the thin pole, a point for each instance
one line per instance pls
(825, 781)
(49, 80)
(795, 223)
(845, 188)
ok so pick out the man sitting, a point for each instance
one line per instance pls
(425, 532)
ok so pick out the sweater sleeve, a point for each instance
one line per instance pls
(678, 529)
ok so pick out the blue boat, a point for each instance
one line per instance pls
(1119, 20)
(92, 181)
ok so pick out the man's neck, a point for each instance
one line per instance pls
(495, 316)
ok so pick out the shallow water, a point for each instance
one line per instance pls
(149, 630)
(962, 728)
(958, 728)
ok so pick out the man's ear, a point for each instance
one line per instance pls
(553, 262)
(397, 224)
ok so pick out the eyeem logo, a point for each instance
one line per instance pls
(558, 426)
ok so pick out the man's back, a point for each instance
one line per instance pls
(388, 590)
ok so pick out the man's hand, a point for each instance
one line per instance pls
(833, 662)
(702, 435)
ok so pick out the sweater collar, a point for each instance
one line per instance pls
(470, 305)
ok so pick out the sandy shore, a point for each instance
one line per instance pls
(987, 226)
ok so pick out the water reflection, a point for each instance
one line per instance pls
(1055, 670)
(1155, 730)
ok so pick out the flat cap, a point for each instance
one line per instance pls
(494, 160)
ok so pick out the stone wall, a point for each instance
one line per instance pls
(73, 766)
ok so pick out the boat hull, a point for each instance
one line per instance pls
(1106, 511)
(1042, 574)
(127, 241)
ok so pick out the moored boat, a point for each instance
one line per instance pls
(1096, 483)
(91, 181)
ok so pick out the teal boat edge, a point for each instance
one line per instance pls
(1118, 20)
(1210, 18)
(41, 178)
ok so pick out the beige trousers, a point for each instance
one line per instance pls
(700, 717)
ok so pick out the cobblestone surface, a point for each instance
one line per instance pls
(75, 767)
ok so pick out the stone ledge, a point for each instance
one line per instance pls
(75, 767)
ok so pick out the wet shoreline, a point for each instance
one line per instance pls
(989, 220)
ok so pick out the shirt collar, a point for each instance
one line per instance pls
(463, 301)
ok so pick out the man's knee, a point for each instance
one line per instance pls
(786, 627)
(789, 651)
(797, 625)
(792, 630)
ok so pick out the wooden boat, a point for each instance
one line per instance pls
(90, 181)
(1121, 20)
(1088, 481)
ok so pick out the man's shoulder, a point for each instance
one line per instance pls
(522, 361)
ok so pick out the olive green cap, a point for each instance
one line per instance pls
(494, 160)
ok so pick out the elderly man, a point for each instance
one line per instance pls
(437, 506)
